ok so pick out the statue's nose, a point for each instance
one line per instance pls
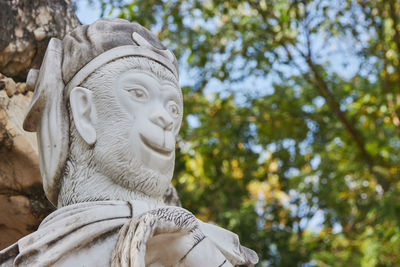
(161, 118)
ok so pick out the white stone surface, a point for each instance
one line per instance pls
(106, 126)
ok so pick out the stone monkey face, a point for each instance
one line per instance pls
(138, 111)
(154, 111)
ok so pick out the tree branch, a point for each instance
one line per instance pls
(322, 87)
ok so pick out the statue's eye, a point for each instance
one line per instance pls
(173, 109)
(138, 94)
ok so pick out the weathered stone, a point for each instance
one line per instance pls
(16, 218)
(21, 88)
(9, 85)
(22, 201)
(27, 27)
(4, 100)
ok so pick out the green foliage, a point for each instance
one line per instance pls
(303, 165)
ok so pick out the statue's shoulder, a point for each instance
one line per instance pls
(8, 255)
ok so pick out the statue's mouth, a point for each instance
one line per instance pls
(155, 147)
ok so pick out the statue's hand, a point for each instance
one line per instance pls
(170, 234)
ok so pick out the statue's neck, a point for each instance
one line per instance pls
(84, 184)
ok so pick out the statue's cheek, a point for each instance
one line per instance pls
(170, 140)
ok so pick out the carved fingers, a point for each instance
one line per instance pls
(130, 249)
(180, 229)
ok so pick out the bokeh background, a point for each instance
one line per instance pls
(291, 133)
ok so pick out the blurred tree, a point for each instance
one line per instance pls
(291, 136)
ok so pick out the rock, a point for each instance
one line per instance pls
(9, 85)
(22, 201)
(21, 88)
(27, 27)
(16, 218)
(4, 100)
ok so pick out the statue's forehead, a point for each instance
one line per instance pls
(132, 74)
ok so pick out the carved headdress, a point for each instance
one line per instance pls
(67, 64)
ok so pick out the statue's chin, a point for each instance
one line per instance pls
(154, 148)
(147, 181)
(121, 167)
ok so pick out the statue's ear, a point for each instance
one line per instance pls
(84, 113)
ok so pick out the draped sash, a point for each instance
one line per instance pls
(80, 227)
